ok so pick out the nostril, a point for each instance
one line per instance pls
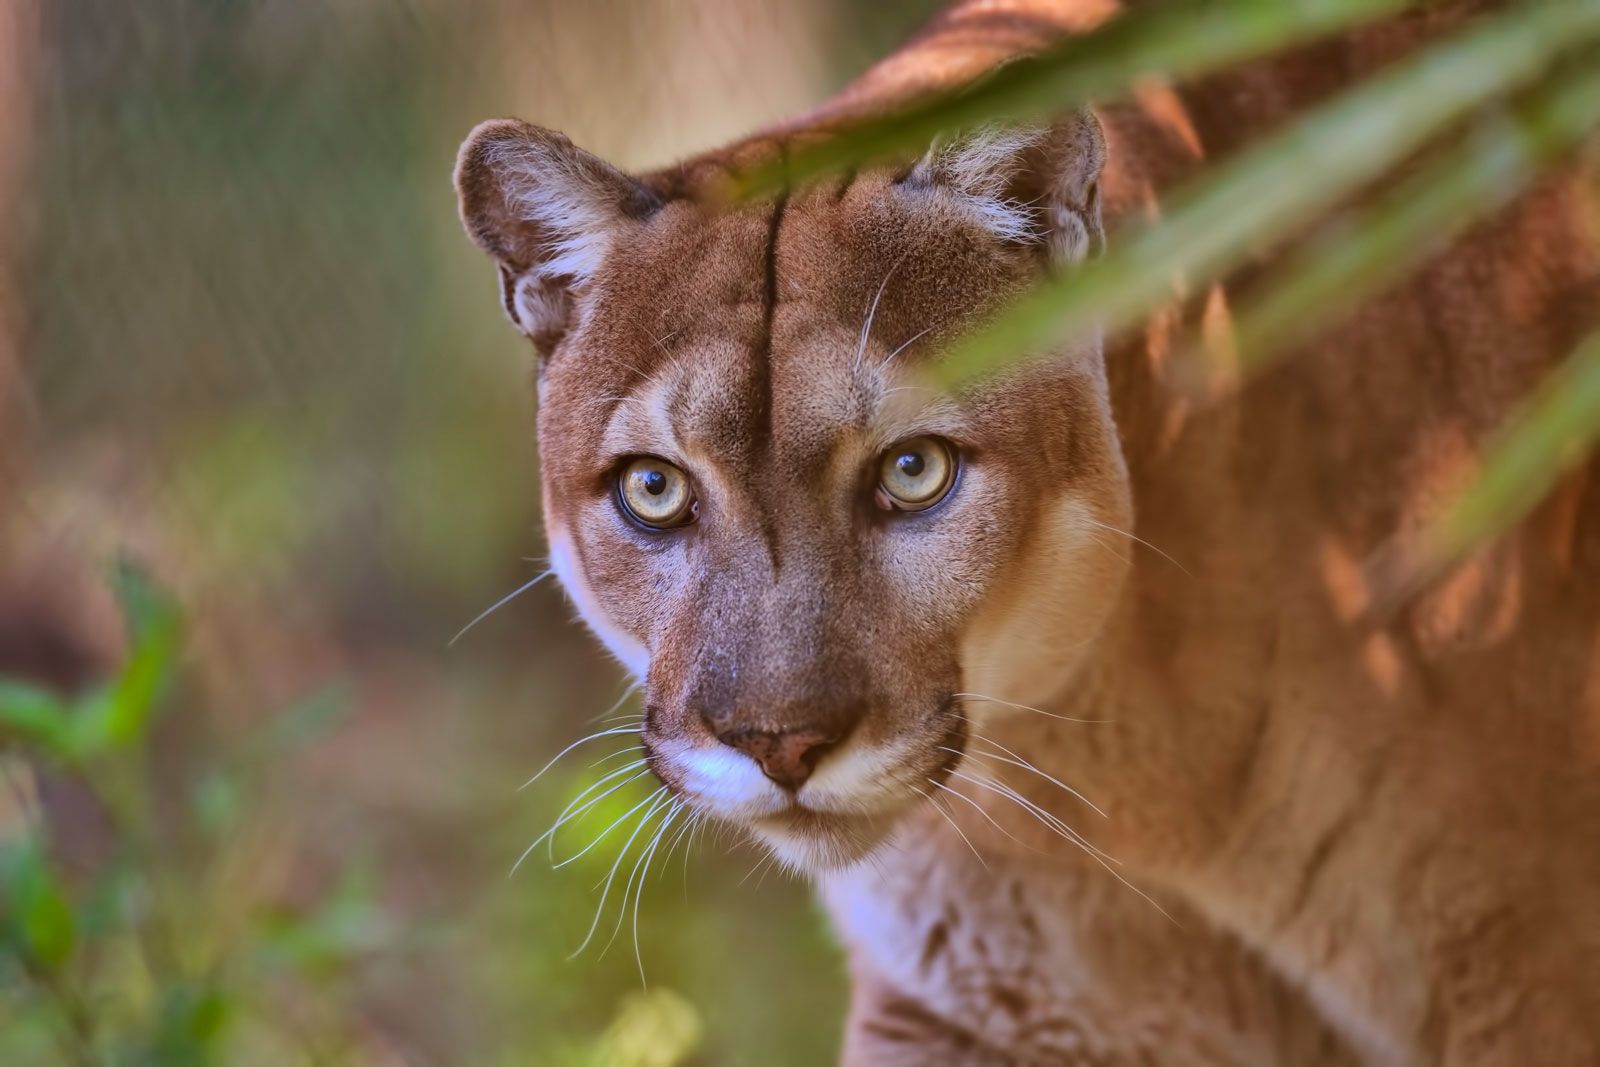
(786, 756)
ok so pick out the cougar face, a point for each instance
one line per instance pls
(811, 559)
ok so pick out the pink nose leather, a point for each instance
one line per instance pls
(786, 756)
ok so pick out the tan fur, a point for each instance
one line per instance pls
(1334, 841)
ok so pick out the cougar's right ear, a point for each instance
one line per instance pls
(547, 212)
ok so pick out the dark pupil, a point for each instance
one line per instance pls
(911, 464)
(655, 483)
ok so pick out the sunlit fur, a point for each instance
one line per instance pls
(1120, 784)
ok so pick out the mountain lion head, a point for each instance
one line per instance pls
(822, 569)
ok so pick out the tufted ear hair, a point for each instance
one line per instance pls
(548, 213)
(1033, 184)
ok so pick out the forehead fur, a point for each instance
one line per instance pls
(774, 300)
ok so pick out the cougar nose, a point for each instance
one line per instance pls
(786, 756)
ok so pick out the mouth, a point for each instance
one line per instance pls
(818, 839)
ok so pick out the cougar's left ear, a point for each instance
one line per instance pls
(548, 212)
(1035, 184)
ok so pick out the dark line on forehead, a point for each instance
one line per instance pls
(769, 309)
(762, 368)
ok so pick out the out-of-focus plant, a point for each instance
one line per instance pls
(1490, 108)
(175, 946)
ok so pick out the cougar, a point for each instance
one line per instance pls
(1063, 687)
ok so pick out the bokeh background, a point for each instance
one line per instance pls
(246, 350)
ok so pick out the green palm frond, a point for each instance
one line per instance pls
(1172, 40)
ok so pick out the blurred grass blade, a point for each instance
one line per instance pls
(1375, 246)
(1217, 222)
(34, 716)
(1172, 41)
(115, 717)
(1550, 435)
(35, 917)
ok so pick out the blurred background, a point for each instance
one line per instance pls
(267, 440)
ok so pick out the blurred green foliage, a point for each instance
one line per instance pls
(142, 954)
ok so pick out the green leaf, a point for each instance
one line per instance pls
(116, 716)
(1216, 223)
(40, 920)
(35, 715)
(192, 1020)
(1172, 40)
(1374, 246)
(1551, 433)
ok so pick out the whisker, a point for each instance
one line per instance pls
(641, 864)
(980, 810)
(603, 833)
(1018, 761)
(619, 752)
(608, 714)
(905, 345)
(872, 312)
(1137, 538)
(677, 839)
(568, 813)
(1100, 542)
(611, 732)
(660, 801)
(1076, 838)
(933, 801)
(638, 897)
(761, 864)
(1026, 707)
(1046, 817)
(639, 770)
(498, 604)
(1029, 707)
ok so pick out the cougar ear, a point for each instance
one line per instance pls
(547, 212)
(1035, 184)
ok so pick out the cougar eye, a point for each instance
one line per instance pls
(915, 474)
(655, 493)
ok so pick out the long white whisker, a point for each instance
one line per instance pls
(626, 693)
(905, 345)
(761, 864)
(577, 806)
(502, 602)
(933, 801)
(1018, 761)
(980, 810)
(601, 907)
(1049, 819)
(1135, 537)
(602, 836)
(1090, 850)
(632, 751)
(568, 814)
(872, 312)
(1025, 707)
(612, 732)
(638, 896)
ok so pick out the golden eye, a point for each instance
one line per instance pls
(915, 474)
(655, 493)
